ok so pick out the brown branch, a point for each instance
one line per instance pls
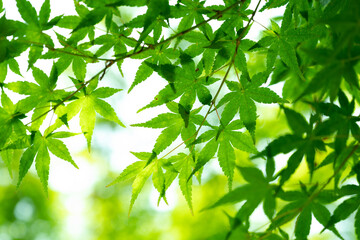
(111, 62)
(224, 78)
(62, 50)
(238, 40)
(151, 47)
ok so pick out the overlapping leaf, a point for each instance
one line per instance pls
(225, 139)
(88, 102)
(242, 100)
(39, 150)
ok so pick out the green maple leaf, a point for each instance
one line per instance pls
(156, 56)
(91, 18)
(35, 27)
(163, 171)
(88, 102)
(329, 78)
(41, 95)
(39, 150)
(306, 140)
(184, 164)
(12, 128)
(242, 99)
(226, 139)
(179, 122)
(155, 9)
(185, 81)
(134, 3)
(299, 207)
(274, 4)
(140, 172)
(257, 190)
(27, 12)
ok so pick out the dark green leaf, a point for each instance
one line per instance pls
(344, 210)
(253, 175)
(133, 3)
(293, 163)
(322, 214)
(357, 224)
(303, 222)
(91, 18)
(237, 195)
(53, 77)
(155, 8)
(269, 205)
(296, 122)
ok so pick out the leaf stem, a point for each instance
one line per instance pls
(238, 40)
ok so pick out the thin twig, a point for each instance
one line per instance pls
(238, 40)
(111, 62)
(61, 50)
(83, 85)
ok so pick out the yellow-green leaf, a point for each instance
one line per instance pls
(59, 149)
(42, 163)
(105, 110)
(139, 182)
(87, 120)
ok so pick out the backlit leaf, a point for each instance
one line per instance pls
(104, 92)
(139, 182)
(142, 74)
(105, 110)
(205, 155)
(129, 172)
(25, 162)
(184, 182)
(44, 13)
(59, 149)
(91, 18)
(42, 163)
(87, 120)
(226, 157)
(27, 12)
